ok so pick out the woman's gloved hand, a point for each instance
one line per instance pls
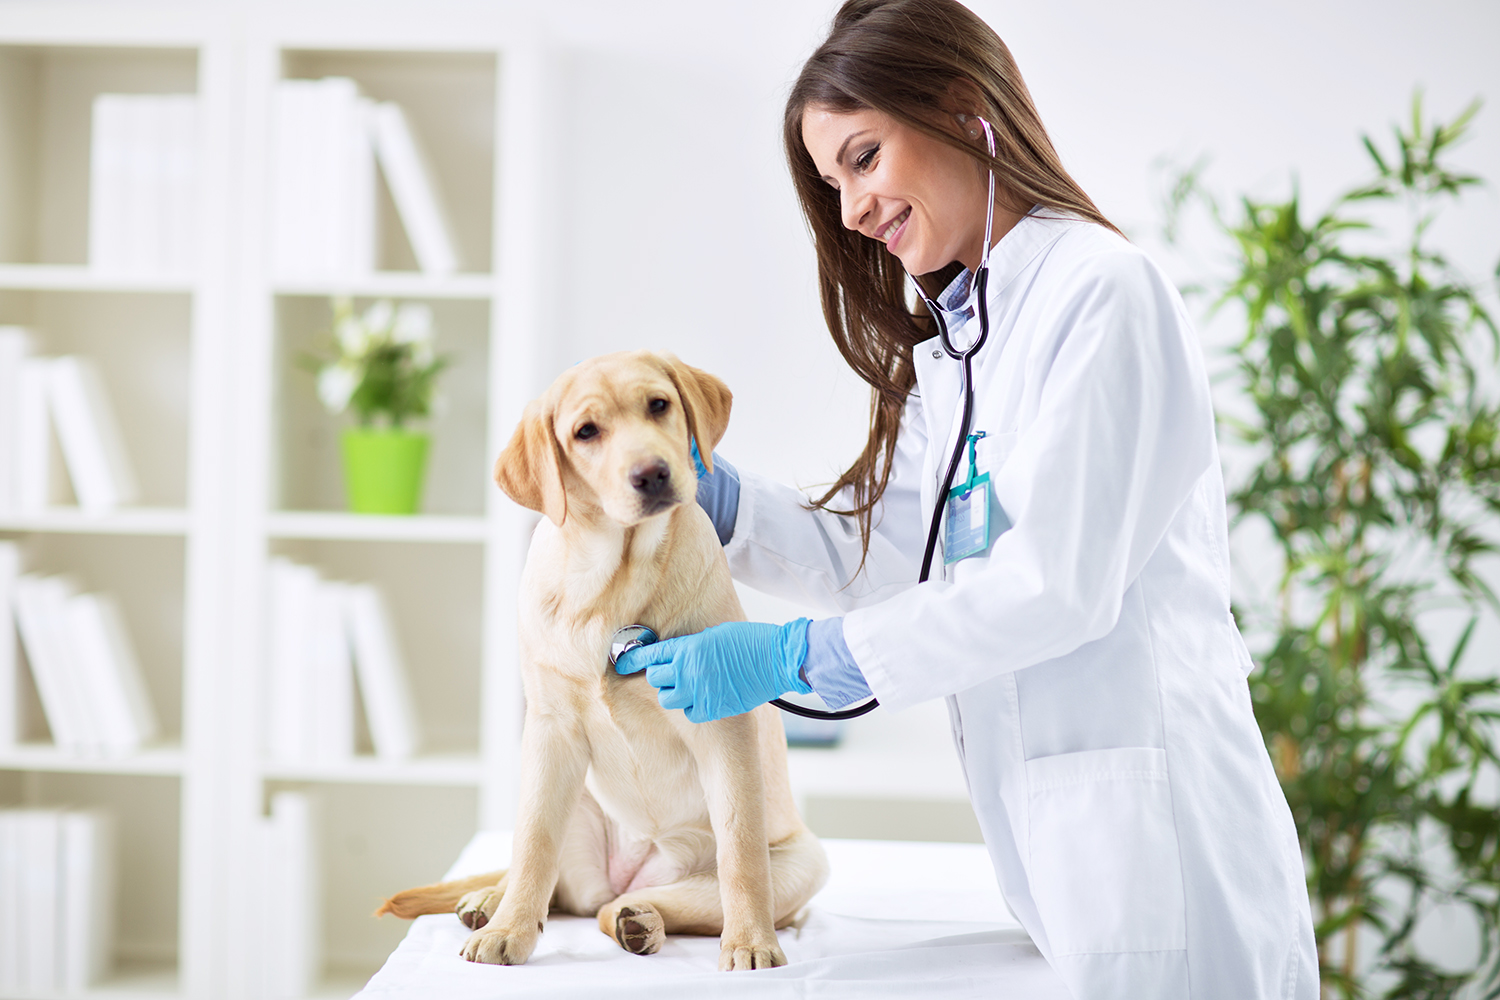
(725, 670)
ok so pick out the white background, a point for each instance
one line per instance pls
(679, 229)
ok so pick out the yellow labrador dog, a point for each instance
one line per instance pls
(656, 824)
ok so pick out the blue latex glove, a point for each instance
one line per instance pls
(718, 493)
(726, 670)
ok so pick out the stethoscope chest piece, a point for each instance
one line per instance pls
(628, 638)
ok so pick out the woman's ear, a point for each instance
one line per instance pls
(706, 401)
(529, 470)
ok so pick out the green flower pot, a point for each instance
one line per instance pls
(383, 469)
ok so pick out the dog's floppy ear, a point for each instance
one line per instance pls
(706, 400)
(529, 470)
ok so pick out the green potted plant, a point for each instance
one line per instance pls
(384, 370)
(1373, 433)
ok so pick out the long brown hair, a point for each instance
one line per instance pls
(904, 58)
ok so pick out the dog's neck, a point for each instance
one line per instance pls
(599, 550)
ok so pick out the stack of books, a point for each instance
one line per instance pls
(143, 183)
(287, 921)
(39, 395)
(327, 140)
(56, 900)
(81, 660)
(323, 635)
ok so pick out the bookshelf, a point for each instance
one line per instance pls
(237, 463)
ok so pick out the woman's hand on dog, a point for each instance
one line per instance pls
(725, 670)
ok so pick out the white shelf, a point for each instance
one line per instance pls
(454, 771)
(166, 761)
(123, 521)
(393, 284)
(81, 278)
(336, 525)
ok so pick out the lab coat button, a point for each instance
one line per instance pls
(937, 354)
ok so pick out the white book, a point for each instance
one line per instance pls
(15, 344)
(37, 837)
(106, 659)
(180, 180)
(382, 675)
(289, 714)
(10, 653)
(331, 677)
(323, 180)
(90, 436)
(293, 886)
(48, 660)
(86, 898)
(356, 233)
(10, 904)
(33, 482)
(108, 187)
(413, 184)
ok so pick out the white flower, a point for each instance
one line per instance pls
(353, 336)
(378, 317)
(413, 324)
(336, 384)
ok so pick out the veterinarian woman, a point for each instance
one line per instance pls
(1077, 613)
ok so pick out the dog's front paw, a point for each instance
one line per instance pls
(499, 945)
(750, 953)
(476, 908)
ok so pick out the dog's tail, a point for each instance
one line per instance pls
(442, 897)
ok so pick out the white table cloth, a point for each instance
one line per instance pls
(896, 919)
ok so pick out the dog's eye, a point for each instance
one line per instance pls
(657, 406)
(586, 431)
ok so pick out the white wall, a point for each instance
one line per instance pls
(681, 230)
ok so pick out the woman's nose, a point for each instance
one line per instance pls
(854, 207)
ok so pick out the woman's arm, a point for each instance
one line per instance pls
(1123, 434)
(780, 547)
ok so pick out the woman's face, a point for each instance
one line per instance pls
(920, 197)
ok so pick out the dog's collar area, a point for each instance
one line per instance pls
(628, 638)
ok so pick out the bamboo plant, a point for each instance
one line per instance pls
(1375, 439)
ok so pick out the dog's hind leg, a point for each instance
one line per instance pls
(640, 921)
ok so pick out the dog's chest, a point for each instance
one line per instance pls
(640, 771)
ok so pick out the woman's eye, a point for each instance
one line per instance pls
(657, 406)
(586, 431)
(863, 161)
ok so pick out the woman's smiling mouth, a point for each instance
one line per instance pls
(889, 231)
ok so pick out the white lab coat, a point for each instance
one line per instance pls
(1095, 678)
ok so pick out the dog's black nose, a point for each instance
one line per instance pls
(652, 479)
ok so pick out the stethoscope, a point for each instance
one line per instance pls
(633, 636)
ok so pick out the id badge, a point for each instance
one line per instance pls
(968, 520)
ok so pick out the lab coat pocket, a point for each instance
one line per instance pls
(1105, 870)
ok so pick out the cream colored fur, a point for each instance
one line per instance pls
(628, 811)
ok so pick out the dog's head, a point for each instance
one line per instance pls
(614, 432)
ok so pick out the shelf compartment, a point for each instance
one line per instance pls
(394, 284)
(161, 521)
(329, 525)
(162, 761)
(46, 109)
(309, 474)
(80, 278)
(141, 345)
(453, 770)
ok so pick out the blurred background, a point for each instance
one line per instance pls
(560, 179)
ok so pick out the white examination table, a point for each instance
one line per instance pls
(895, 920)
